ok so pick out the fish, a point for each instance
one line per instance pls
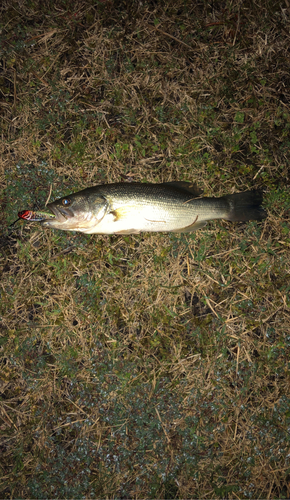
(132, 208)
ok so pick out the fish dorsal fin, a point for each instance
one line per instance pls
(189, 187)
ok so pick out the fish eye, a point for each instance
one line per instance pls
(66, 202)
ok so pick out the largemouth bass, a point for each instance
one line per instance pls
(130, 208)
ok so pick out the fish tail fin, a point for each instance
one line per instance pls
(245, 206)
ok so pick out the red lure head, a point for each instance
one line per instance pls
(27, 215)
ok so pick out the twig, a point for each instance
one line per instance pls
(15, 91)
(260, 169)
(173, 38)
(49, 195)
(66, 250)
(164, 430)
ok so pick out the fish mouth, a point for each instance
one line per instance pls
(59, 215)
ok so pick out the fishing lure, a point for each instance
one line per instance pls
(34, 216)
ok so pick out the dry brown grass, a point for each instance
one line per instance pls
(156, 365)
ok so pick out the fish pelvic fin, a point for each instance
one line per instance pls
(245, 206)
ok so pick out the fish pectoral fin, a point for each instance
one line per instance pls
(123, 212)
(189, 187)
(191, 228)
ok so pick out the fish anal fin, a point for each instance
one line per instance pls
(191, 228)
(128, 231)
(189, 187)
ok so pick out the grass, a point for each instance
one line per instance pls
(155, 365)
